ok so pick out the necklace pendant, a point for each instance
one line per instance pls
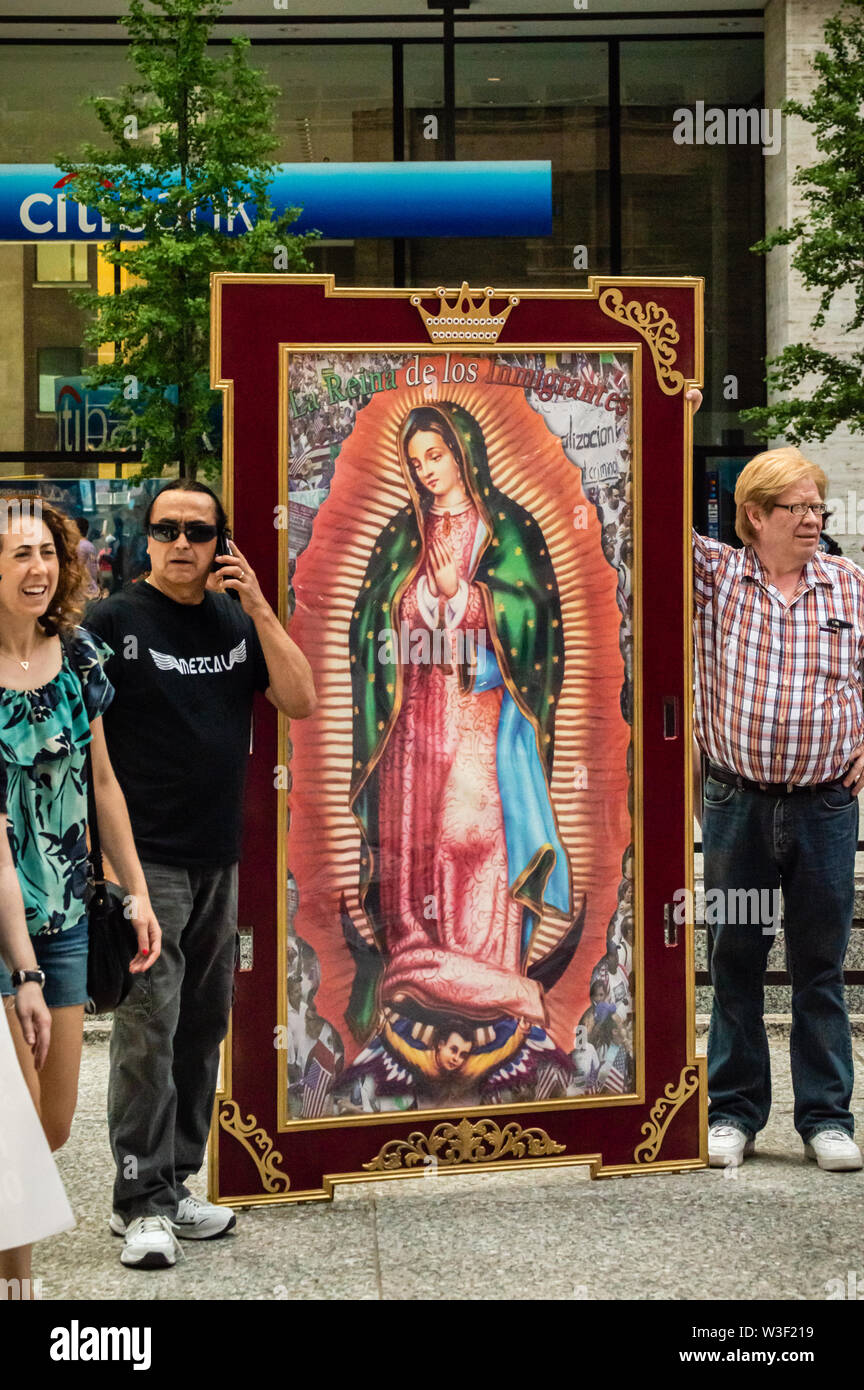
(25, 664)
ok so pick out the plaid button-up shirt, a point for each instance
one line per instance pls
(778, 689)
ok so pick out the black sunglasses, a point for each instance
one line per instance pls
(196, 532)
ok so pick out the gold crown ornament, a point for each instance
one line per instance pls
(468, 318)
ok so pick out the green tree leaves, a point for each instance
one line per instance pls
(828, 242)
(200, 140)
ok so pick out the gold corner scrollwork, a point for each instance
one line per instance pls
(257, 1143)
(468, 1142)
(657, 326)
(662, 1112)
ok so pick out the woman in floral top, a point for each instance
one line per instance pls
(48, 716)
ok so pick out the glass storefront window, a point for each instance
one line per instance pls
(110, 512)
(520, 101)
(44, 88)
(51, 363)
(696, 209)
(334, 103)
(61, 262)
(335, 106)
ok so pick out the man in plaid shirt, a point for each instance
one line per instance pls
(779, 635)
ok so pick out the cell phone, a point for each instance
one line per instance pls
(223, 548)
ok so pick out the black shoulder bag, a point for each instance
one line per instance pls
(113, 941)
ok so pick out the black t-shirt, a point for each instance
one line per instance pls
(178, 728)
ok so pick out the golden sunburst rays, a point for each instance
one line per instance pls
(324, 843)
(588, 784)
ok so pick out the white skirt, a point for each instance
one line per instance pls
(32, 1200)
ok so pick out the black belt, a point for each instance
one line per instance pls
(734, 779)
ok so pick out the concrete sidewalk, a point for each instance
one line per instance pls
(780, 1229)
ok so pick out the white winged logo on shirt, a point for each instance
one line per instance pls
(200, 665)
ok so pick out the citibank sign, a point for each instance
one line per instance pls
(56, 215)
(44, 214)
(469, 198)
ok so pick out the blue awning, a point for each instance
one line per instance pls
(484, 198)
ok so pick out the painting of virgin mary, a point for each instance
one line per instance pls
(453, 741)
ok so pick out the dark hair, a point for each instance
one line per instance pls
(82, 523)
(453, 1025)
(603, 1033)
(188, 485)
(427, 418)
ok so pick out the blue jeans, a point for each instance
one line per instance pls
(63, 957)
(805, 844)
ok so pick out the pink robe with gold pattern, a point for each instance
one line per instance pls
(453, 931)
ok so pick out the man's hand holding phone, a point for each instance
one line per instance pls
(234, 575)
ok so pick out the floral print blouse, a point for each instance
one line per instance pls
(43, 739)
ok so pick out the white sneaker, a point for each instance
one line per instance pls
(197, 1220)
(835, 1151)
(148, 1241)
(728, 1146)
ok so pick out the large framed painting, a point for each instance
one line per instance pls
(459, 944)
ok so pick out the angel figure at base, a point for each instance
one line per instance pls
(412, 1064)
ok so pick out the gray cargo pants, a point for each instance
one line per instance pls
(165, 1040)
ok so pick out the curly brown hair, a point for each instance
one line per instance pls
(67, 603)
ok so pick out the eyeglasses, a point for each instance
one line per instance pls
(802, 508)
(196, 532)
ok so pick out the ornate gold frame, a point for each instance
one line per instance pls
(655, 332)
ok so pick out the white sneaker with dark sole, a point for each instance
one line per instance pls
(835, 1151)
(728, 1146)
(196, 1220)
(148, 1241)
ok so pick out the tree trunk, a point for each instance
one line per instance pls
(188, 465)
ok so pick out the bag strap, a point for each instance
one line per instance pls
(92, 818)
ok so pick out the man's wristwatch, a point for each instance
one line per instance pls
(24, 977)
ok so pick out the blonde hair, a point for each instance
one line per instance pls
(763, 480)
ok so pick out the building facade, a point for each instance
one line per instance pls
(623, 99)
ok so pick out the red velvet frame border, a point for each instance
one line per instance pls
(250, 1161)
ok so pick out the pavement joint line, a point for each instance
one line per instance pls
(377, 1249)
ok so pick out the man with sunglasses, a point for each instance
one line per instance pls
(779, 635)
(192, 644)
